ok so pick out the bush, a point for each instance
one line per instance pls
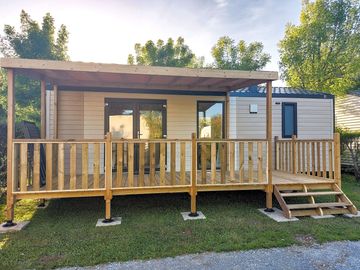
(350, 140)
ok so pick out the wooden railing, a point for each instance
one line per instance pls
(317, 158)
(153, 162)
(231, 161)
(57, 165)
(98, 167)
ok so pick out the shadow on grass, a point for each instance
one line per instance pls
(64, 234)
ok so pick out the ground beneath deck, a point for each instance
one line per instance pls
(336, 255)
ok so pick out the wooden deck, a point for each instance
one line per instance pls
(283, 178)
(279, 178)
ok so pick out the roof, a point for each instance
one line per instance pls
(83, 76)
(289, 92)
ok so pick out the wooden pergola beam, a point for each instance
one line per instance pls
(39, 65)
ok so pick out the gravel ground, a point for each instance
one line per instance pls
(335, 255)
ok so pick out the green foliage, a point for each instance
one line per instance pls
(171, 54)
(350, 142)
(153, 120)
(228, 55)
(323, 52)
(34, 41)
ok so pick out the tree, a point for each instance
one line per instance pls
(34, 42)
(228, 55)
(164, 54)
(323, 52)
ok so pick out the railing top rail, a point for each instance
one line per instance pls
(305, 140)
(231, 140)
(148, 140)
(59, 140)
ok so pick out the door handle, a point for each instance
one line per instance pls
(139, 134)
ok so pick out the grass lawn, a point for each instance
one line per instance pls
(64, 234)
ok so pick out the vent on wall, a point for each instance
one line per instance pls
(253, 108)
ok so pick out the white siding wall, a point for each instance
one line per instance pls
(347, 112)
(315, 117)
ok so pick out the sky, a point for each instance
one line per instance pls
(106, 31)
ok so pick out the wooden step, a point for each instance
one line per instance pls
(317, 205)
(304, 194)
(314, 212)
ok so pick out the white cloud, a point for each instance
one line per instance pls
(221, 3)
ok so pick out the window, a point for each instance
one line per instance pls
(289, 119)
(210, 119)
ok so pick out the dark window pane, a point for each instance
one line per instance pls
(289, 120)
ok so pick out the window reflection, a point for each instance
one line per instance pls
(210, 120)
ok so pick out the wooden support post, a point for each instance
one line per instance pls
(337, 159)
(269, 189)
(43, 109)
(42, 120)
(294, 153)
(56, 96)
(10, 200)
(108, 178)
(227, 116)
(193, 191)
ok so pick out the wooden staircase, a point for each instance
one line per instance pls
(338, 204)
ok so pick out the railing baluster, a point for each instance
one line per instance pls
(313, 158)
(182, 163)
(223, 163)
(130, 164)
(49, 164)
(152, 163)
(23, 166)
(303, 157)
(307, 158)
(36, 172)
(162, 163)
(84, 160)
(61, 171)
(232, 160)
(241, 162)
(318, 159)
(331, 175)
(96, 165)
(203, 163)
(72, 166)
(119, 164)
(173, 163)
(259, 162)
(141, 180)
(213, 163)
(250, 162)
(323, 159)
